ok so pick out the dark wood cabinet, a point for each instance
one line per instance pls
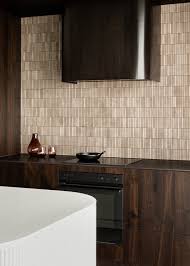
(10, 85)
(12, 175)
(150, 218)
(28, 175)
(40, 176)
(13, 85)
(3, 75)
(158, 218)
(109, 255)
(156, 208)
(182, 218)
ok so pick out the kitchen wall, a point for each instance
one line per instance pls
(126, 118)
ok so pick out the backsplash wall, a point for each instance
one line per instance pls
(145, 119)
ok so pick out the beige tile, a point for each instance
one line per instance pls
(126, 118)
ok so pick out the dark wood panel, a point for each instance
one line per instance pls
(109, 255)
(182, 203)
(182, 218)
(3, 80)
(13, 85)
(12, 175)
(149, 218)
(148, 247)
(28, 175)
(92, 169)
(10, 85)
(153, 196)
(40, 176)
(156, 210)
(182, 251)
(100, 41)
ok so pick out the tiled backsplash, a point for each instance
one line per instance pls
(126, 118)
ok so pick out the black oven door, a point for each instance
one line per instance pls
(109, 210)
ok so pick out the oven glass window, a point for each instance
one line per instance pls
(109, 211)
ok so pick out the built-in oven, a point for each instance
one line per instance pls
(108, 191)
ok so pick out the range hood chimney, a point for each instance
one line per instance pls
(106, 40)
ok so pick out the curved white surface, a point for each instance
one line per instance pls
(46, 228)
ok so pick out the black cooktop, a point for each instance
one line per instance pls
(112, 161)
(68, 159)
(25, 158)
(103, 161)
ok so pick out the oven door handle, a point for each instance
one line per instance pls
(62, 185)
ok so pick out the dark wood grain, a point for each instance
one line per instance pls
(13, 85)
(182, 218)
(156, 208)
(28, 175)
(109, 255)
(10, 85)
(101, 41)
(149, 218)
(12, 174)
(33, 173)
(41, 176)
(3, 81)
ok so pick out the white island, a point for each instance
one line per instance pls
(46, 228)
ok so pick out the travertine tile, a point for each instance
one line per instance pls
(145, 119)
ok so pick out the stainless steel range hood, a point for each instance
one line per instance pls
(103, 41)
(142, 65)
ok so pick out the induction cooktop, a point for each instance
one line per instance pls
(108, 161)
(70, 159)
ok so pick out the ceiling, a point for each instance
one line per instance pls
(24, 8)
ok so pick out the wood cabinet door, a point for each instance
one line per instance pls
(149, 219)
(28, 175)
(10, 60)
(11, 174)
(3, 80)
(182, 218)
(40, 176)
(109, 254)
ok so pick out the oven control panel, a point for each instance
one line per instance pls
(99, 179)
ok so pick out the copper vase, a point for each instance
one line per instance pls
(34, 146)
